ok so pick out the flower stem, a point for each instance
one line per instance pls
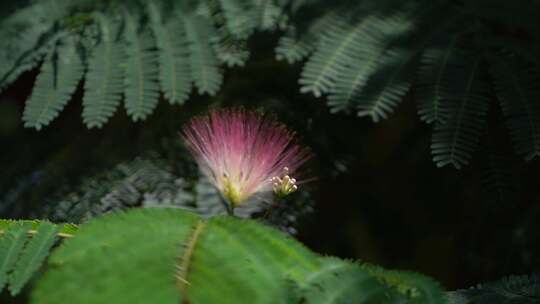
(276, 202)
(228, 206)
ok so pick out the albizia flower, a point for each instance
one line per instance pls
(245, 153)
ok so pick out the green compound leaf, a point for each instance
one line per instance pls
(413, 287)
(173, 52)
(339, 281)
(516, 85)
(432, 89)
(105, 78)
(33, 256)
(338, 44)
(204, 65)
(454, 142)
(59, 76)
(170, 256)
(24, 245)
(141, 82)
(11, 245)
(160, 255)
(513, 290)
(294, 47)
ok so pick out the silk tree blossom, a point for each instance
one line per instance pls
(244, 153)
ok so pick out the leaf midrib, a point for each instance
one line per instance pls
(337, 52)
(438, 83)
(185, 260)
(460, 114)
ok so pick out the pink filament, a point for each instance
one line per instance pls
(243, 148)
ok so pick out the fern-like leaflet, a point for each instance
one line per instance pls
(431, 89)
(513, 289)
(230, 51)
(157, 46)
(236, 16)
(60, 74)
(516, 85)
(268, 15)
(455, 141)
(24, 245)
(33, 256)
(338, 282)
(339, 43)
(367, 62)
(294, 46)
(104, 80)
(141, 88)
(11, 245)
(26, 38)
(380, 33)
(174, 68)
(204, 65)
(385, 90)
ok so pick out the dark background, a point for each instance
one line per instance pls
(378, 197)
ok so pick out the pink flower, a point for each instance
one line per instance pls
(245, 153)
